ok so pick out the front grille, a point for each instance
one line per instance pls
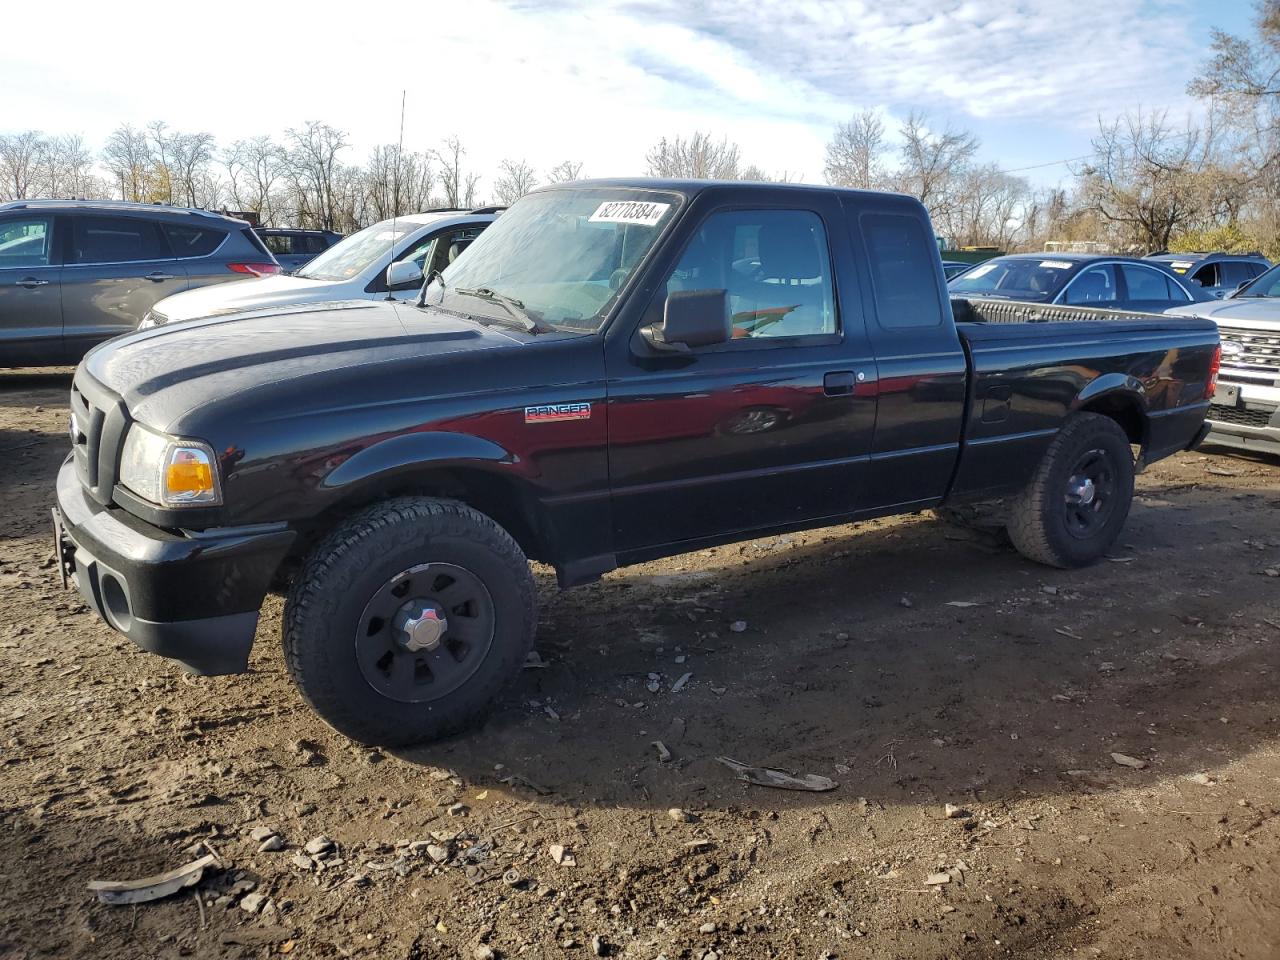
(1241, 416)
(1258, 349)
(100, 423)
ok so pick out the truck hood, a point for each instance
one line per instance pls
(164, 373)
(220, 298)
(1250, 312)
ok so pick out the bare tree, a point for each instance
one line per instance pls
(255, 170)
(515, 179)
(20, 156)
(564, 171)
(932, 162)
(397, 182)
(988, 207)
(855, 152)
(129, 158)
(700, 157)
(190, 176)
(68, 168)
(313, 170)
(458, 188)
(1148, 179)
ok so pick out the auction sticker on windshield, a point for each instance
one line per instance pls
(630, 211)
(1056, 264)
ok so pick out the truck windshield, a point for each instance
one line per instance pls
(563, 254)
(1267, 285)
(351, 257)
(1020, 278)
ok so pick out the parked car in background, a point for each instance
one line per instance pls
(1246, 410)
(1079, 279)
(1219, 274)
(76, 272)
(355, 268)
(953, 268)
(295, 248)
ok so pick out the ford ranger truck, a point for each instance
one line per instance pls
(617, 371)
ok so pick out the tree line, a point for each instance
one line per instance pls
(1147, 183)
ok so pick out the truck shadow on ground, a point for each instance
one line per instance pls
(853, 665)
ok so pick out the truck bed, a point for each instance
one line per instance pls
(1033, 364)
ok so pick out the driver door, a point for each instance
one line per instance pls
(769, 429)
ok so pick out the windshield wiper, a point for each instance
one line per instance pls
(513, 306)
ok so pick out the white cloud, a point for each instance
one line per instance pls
(592, 81)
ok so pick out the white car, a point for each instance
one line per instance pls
(352, 269)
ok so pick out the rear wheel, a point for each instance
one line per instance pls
(1073, 509)
(407, 619)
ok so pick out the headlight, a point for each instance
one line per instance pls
(168, 471)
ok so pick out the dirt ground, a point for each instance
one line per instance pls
(915, 665)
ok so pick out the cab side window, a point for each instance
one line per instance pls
(774, 266)
(901, 256)
(24, 242)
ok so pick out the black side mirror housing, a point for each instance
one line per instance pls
(691, 319)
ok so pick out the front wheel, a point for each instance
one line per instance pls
(1073, 509)
(407, 619)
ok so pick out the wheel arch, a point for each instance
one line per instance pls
(1121, 398)
(469, 469)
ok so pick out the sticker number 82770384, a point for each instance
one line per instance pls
(553, 412)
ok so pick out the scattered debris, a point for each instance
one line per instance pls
(302, 861)
(151, 888)
(1203, 779)
(682, 816)
(1127, 761)
(680, 684)
(253, 902)
(768, 777)
(937, 879)
(533, 661)
(1067, 633)
(906, 602)
(318, 846)
(664, 755)
(955, 813)
(963, 604)
(562, 855)
(738, 626)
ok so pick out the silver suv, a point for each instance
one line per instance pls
(76, 272)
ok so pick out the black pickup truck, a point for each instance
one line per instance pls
(616, 371)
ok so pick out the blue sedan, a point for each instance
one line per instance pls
(1095, 280)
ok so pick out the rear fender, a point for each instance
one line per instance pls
(1121, 397)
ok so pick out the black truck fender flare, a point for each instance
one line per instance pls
(411, 452)
(1120, 396)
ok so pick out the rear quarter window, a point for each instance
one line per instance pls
(900, 254)
(187, 241)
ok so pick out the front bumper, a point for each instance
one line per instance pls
(193, 597)
(1248, 420)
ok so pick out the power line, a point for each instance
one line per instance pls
(1051, 163)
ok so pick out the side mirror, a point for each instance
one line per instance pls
(692, 318)
(403, 274)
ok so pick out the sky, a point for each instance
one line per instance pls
(600, 82)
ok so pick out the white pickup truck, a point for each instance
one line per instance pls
(1245, 412)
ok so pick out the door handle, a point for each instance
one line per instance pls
(839, 383)
(32, 282)
(159, 277)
